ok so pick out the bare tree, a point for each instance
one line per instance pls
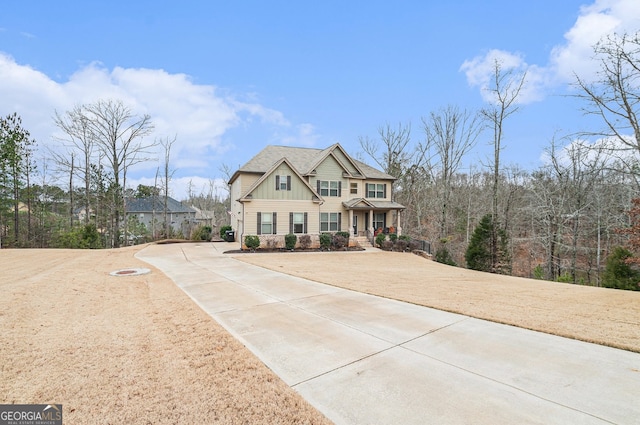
(80, 139)
(394, 143)
(166, 144)
(615, 95)
(118, 134)
(505, 90)
(450, 135)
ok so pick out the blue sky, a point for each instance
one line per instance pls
(228, 78)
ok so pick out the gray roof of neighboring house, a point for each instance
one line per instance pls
(302, 159)
(149, 204)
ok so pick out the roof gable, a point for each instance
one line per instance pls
(266, 176)
(350, 167)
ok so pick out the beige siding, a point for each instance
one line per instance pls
(247, 181)
(236, 207)
(282, 208)
(385, 182)
(360, 188)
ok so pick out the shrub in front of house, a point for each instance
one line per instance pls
(271, 242)
(338, 241)
(380, 238)
(387, 245)
(305, 241)
(201, 233)
(290, 241)
(393, 237)
(413, 245)
(325, 240)
(223, 231)
(252, 242)
(400, 245)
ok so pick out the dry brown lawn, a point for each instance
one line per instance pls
(136, 349)
(604, 316)
(132, 349)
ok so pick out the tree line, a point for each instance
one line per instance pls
(563, 221)
(98, 145)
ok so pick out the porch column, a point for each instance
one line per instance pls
(351, 223)
(399, 224)
(370, 223)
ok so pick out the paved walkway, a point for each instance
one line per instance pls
(362, 359)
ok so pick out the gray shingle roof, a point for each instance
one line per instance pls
(302, 159)
(142, 205)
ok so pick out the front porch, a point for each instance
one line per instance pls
(368, 217)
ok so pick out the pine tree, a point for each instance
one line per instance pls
(479, 252)
(619, 273)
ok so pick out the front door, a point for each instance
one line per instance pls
(355, 225)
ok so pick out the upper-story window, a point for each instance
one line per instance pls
(354, 188)
(329, 187)
(376, 190)
(283, 182)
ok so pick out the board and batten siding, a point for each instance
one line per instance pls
(345, 161)
(267, 188)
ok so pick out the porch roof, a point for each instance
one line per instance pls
(371, 204)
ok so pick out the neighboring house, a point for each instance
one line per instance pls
(204, 217)
(310, 191)
(150, 212)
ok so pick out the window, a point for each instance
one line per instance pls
(283, 182)
(297, 222)
(267, 223)
(330, 222)
(329, 187)
(354, 188)
(376, 190)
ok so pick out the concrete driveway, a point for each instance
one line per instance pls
(362, 359)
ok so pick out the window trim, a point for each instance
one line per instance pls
(293, 224)
(333, 188)
(274, 223)
(378, 190)
(283, 180)
(337, 223)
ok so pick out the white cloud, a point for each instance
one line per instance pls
(199, 116)
(573, 56)
(596, 21)
(480, 70)
(603, 151)
(304, 135)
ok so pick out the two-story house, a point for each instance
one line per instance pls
(286, 190)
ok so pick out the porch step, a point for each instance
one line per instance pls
(362, 241)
